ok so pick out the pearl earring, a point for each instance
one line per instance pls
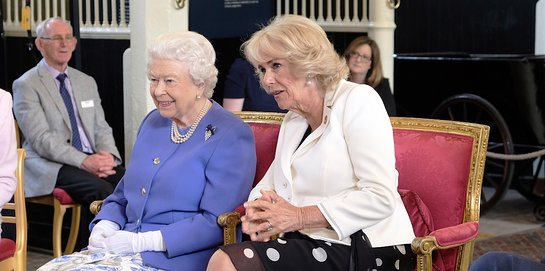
(309, 78)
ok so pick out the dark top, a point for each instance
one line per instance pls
(241, 82)
(383, 89)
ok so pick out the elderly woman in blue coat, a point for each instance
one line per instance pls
(192, 161)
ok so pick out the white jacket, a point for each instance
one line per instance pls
(346, 167)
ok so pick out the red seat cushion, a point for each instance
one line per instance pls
(62, 196)
(7, 248)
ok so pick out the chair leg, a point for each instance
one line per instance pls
(74, 229)
(58, 217)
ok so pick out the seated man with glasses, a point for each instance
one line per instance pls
(363, 58)
(68, 142)
(59, 38)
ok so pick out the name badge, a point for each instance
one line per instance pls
(88, 103)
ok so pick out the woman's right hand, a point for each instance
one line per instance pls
(102, 230)
(268, 216)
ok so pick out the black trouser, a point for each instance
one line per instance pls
(84, 188)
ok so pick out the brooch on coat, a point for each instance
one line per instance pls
(210, 131)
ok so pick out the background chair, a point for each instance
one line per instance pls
(441, 166)
(61, 202)
(265, 126)
(13, 253)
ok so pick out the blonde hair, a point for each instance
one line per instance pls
(303, 44)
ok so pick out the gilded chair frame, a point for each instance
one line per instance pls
(59, 210)
(229, 221)
(423, 246)
(18, 261)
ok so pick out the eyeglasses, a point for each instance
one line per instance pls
(59, 39)
(363, 58)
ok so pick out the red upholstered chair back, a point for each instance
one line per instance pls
(442, 162)
(266, 126)
(266, 136)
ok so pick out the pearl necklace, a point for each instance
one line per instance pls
(175, 135)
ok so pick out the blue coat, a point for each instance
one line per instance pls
(181, 189)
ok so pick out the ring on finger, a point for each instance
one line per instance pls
(270, 227)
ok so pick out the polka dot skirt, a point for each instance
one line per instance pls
(296, 251)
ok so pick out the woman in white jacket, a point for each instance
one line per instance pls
(334, 173)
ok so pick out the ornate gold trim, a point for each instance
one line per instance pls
(424, 246)
(261, 117)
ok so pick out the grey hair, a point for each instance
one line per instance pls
(40, 29)
(191, 49)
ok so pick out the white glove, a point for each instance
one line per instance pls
(102, 230)
(132, 242)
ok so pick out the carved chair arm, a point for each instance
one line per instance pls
(459, 235)
(229, 222)
(95, 206)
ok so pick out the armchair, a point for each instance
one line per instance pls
(441, 166)
(13, 253)
(265, 126)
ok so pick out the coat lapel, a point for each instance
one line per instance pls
(51, 88)
(295, 127)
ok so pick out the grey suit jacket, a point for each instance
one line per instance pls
(43, 119)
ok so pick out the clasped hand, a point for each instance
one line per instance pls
(106, 236)
(100, 164)
(269, 216)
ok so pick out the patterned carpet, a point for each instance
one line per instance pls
(511, 226)
(530, 243)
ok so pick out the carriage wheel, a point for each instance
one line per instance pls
(539, 210)
(498, 173)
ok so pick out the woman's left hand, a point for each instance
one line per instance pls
(269, 216)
